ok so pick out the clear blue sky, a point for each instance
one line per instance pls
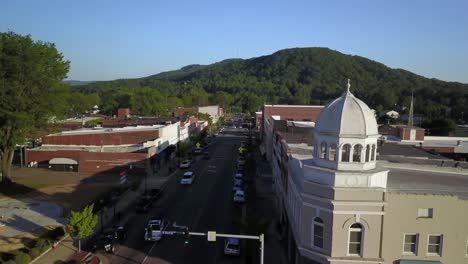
(107, 39)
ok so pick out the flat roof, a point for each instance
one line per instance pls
(110, 148)
(406, 151)
(316, 106)
(103, 130)
(426, 179)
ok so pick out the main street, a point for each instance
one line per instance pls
(206, 205)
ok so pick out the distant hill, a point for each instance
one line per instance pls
(74, 82)
(301, 76)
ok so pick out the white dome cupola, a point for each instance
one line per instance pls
(345, 135)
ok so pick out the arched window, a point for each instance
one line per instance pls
(332, 153)
(355, 240)
(372, 157)
(318, 232)
(345, 153)
(357, 153)
(323, 150)
(367, 153)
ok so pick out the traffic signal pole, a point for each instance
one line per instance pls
(213, 235)
(261, 238)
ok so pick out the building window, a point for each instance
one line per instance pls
(355, 240)
(425, 213)
(357, 153)
(332, 153)
(410, 245)
(323, 150)
(434, 245)
(318, 232)
(367, 153)
(345, 153)
(373, 153)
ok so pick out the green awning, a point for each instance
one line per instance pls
(419, 262)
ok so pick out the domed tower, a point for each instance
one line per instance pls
(345, 136)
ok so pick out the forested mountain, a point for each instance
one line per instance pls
(291, 76)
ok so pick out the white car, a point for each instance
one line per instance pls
(185, 164)
(187, 178)
(239, 196)
(238, 176)
(232, 247)
(237, 181)
(241, 160)
(237, 186)
(153, 231)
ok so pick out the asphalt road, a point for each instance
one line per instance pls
(204, 206)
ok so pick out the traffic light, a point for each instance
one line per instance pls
(186, 237)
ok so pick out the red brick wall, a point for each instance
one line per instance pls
(404, 134)
(296, 113)
(440, 149)
(420, 134)
(112, 138)
(89, 161)
(123, 112)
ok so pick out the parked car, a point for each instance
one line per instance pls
(187, 178)
(206, 155)
(238, 175)
(240, 167)
(152, 194)
(153, 231)
(239, 196)
(197, 151)
(237, 181)
(143, 205)
(232, 247)
(185, 164)
(105, 242)
(237, 186)
(241, 160)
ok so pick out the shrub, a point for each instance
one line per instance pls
(22, 258)
(10, 262)
(56, 233)
(34, 253)
(42, 244)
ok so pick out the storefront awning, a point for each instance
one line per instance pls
(419, 262)
(63, 161)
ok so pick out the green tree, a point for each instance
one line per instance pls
(31, 91)
(81, 224)
(150, 102)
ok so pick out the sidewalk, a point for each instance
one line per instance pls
(275, 251)
(66, 250)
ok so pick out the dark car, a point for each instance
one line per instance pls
(206, 155)
(107, 241)
(152, 194)
(143, 205)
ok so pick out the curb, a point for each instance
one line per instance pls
(48, 250)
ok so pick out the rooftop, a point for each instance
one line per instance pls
(99, 130)
(409, 174)
(113, 149)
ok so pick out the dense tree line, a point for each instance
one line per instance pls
(292, 76)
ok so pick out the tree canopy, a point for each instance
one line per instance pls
(298, 76)
(81, 224)
(31, 90)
